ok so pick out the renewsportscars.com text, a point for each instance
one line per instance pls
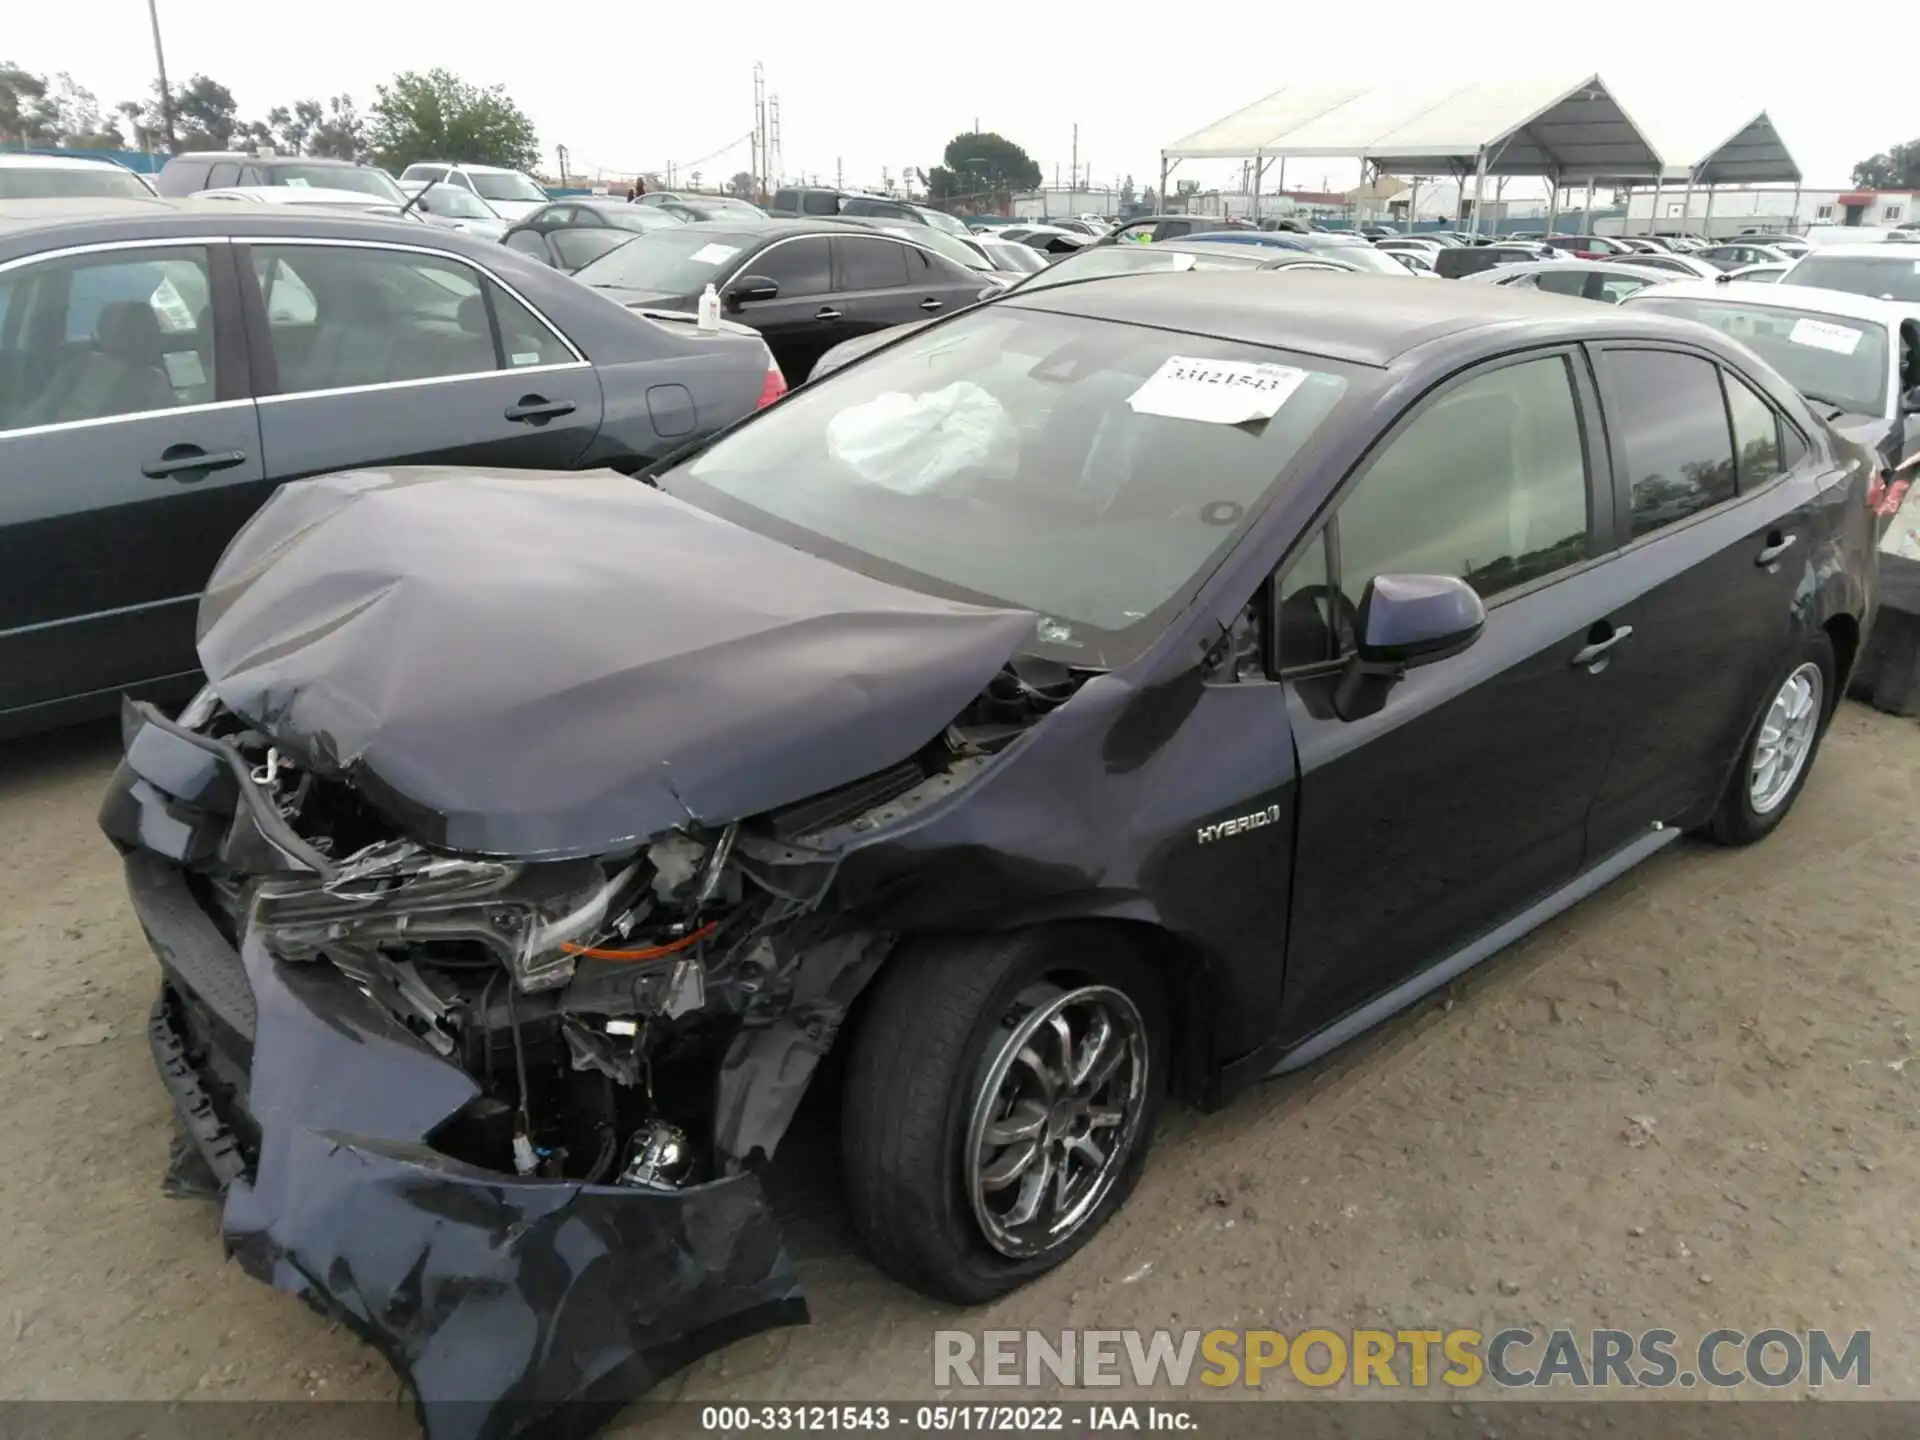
(1388, 1359)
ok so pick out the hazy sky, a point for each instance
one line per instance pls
(868, 85)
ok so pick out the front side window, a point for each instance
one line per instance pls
(1562, 282)
(819, 202)
(1021, 457)
(342, 318)
(1756, 434)
(98, 336)
(1615, 288)
(799, 267)
(1487, 484)
(1672, 423)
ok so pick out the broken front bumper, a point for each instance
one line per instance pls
(509, 1305)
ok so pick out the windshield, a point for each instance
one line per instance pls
(1896, 277)
(509, 186)
(1007, 255)
(681, 260)
(454, 203)
(1082, 469)
(940, 220)
(1358, 253)
(34, 182)
(363, 178)
(961, 252)
(1829, 359)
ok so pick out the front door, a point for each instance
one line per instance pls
(129, 456)
(1463, 798)
(386, 355)
(1715, 552)
(805, 320)
(881, 282)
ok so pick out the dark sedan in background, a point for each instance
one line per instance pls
(570, 233)
(805, 285)
(165, 364)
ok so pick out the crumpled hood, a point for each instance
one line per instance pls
(1876, 432)
(545, 664)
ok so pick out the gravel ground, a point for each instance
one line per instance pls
(1686, 1103)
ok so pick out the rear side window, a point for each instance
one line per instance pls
(870, 264)
(820, 202)
(227, 172)
(1756, 434)
(1488, 483)
(1672, 423)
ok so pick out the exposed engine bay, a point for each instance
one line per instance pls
(594, 999)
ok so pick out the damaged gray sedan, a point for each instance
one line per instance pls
(1084, 699)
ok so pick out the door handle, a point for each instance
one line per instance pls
(929, 304)
(1777, 545)
(183, 461)
(537, 410)
(827, 313)
(1597, 650)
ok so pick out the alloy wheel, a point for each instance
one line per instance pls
(1056, 1116)
(1786, 738)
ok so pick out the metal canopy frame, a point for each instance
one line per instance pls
(1559, 129)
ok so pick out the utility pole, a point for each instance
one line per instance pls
(1073, 186)
(776, 162)
(839, 174)
(759, 162)
(160, 63)
(560, 153)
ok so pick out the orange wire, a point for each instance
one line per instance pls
(653, 953)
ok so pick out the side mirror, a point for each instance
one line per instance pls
(1402, 621)
(1416, 619)
(751, 287)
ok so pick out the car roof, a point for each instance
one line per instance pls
(1797, 297)
(274, 159)
(1569, 267)
(295, 195)
(1365, 318)
(464, 165)
(27, 226)
(59, 162)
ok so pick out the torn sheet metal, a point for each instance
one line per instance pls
(508, 1305)
(642, 661)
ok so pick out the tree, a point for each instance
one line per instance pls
(341, 135)
(23, 97)
(981, 163)
(742, 184)
(205, 115)
(1150, 198)
(1126, 192)
(142, 130)
(439, 116)
(1895, 169)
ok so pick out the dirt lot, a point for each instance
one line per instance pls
(1476, 1163)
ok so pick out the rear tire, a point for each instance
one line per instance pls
(1785, 736)
(960, 1104)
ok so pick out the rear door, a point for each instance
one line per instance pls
(1464, 797)
(370, 354)
(883, 282)
(1714, 552)
(129, 456)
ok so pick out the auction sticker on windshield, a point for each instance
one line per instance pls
(1822, 336)
(1222, 392)
(714, 254)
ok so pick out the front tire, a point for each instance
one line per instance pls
(1780, 748)
(998, 1104)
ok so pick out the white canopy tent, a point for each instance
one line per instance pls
(1754, 154)
(1562, 128)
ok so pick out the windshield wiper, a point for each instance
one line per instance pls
(1838, 408)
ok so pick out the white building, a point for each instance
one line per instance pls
(1729, 209)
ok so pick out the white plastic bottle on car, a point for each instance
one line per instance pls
(710, 309)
